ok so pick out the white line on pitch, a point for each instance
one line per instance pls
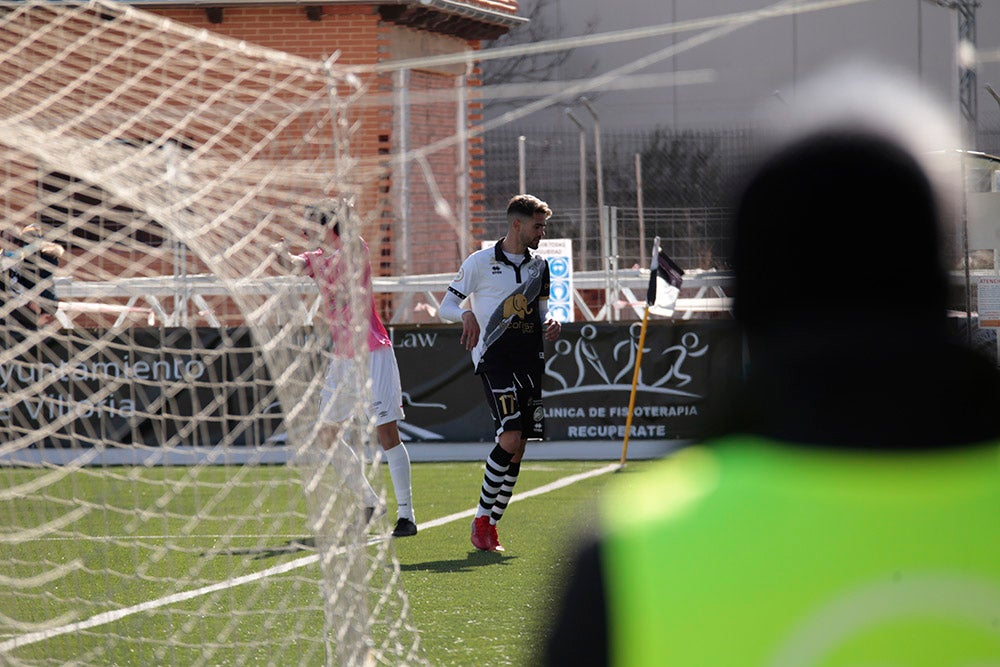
(118, 614)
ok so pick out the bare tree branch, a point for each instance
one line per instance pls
(532, 68)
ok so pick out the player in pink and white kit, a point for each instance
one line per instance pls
(324, 266)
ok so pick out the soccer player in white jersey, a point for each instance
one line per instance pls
(323, 265)
(507, 290)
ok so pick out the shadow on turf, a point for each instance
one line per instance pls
(472, 559)
(291, 546)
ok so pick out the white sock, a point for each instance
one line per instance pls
(399, 471)
(358, 482)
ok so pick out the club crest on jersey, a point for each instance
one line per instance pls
(516, 304)
(533, 270)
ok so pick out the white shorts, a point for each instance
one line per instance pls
(344, 384)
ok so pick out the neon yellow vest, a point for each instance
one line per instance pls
(750, 552)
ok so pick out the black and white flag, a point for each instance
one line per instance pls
(665, 279)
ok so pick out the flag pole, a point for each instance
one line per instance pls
(671, 273)
(635, 383)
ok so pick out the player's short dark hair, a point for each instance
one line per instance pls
(527, 206)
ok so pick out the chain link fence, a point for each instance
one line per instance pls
(694, 237)
(675, 185)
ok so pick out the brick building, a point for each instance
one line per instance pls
(131, 93)
(406, 231)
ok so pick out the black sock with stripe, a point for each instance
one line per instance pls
(506, 491)
(497, 465)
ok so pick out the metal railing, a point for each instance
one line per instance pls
(152, 300)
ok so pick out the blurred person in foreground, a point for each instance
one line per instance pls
(323, 263)
(849, 511)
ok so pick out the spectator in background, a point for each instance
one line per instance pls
(32, 278)
(848, 513)
(29, 304)
(9, 258)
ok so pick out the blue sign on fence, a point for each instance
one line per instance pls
(559, 253)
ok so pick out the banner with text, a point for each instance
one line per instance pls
(207, 387)
(142, 386)
(687, 368)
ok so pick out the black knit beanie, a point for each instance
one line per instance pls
(838, 226)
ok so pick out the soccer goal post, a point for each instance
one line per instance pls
(169, 494)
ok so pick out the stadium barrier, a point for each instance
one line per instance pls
(148, 384)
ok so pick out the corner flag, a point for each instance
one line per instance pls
(665, 279)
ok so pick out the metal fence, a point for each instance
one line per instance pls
(659, 167)
(672, 185)
(694, 237)
(675, 184)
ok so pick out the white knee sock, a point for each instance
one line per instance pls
(359, 484)
(399, 471)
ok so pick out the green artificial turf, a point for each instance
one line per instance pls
(468, 604)
(468, 607)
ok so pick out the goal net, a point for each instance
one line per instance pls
(168, 493)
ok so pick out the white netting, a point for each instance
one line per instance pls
(164, 162)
